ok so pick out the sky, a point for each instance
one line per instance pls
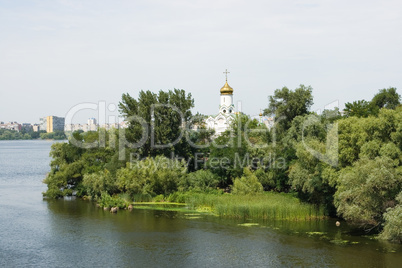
(58, 54)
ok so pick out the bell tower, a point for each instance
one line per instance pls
(226, 104)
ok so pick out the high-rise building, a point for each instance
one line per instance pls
(52, 123)
(91, 121)
(92, 126)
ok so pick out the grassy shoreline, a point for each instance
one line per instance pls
(268, 205)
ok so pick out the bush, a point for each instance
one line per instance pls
(177, 197)
(107, 201)
(247, 184)
(152, 176)
(265, 178)
(99, 182)
(159, 198)
(200, 180)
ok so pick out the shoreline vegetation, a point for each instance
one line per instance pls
(264, 206)
(6, 134)
(307, 166)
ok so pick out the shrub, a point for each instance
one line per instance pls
(200, 180)
(159, 198)
(177, 197)
(247, 184)
(99, 182)
(107, 201)
(265, 178)
(151, 176)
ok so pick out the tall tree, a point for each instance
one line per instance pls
(156, 121)
(360, 108)
(286, 104)
(386, 98)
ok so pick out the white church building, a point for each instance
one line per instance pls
(223, 119)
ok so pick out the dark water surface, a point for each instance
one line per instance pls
(71, 233)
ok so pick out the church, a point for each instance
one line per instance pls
(223, 119)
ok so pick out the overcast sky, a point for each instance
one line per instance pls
(55, 54)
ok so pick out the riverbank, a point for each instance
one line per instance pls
(268, 205)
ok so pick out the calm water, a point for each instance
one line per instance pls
(70, 233)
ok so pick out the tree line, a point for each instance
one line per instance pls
(7, 134)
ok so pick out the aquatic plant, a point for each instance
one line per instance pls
(268, 205)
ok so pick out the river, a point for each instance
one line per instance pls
(74, 233)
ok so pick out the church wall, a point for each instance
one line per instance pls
(226, 100)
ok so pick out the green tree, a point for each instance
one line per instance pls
(377, 131)
(156, 121)
(312, 173)
(152, 176)
(359, 108)
(386, 98)
(229, 152)
(286, 104)
(393, 222)
(70, 164)
(367, 189)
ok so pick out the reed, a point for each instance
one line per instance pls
(269, 205)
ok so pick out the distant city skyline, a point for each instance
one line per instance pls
(56, 54)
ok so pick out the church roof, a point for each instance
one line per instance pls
(226, 89)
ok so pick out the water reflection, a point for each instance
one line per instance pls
(151, 237)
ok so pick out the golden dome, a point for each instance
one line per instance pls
(226, 89)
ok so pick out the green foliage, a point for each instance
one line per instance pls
(66, 170)
(57, 135)
(229, 153)
(153, 176)
(266, 178)
(159, 198)
(69, 164)
(386, 98)
(165, 121)
(359, 108)
(287, 104)
(247, 184)
(6, 134)
(355, 159)
(393, 222)
(311, 178)
(311, 173)
(98, 183)
(200, 180)
(107, 201)
(365, 137)
(269, 205)
(178, 197)
(367, 189)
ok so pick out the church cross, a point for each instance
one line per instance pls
(226, 73)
